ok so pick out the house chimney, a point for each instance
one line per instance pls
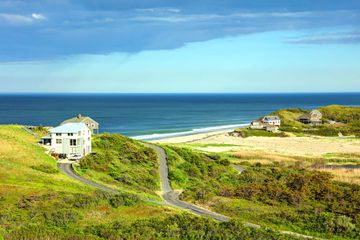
(78, 116)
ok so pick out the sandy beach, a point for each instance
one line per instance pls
(221, 141)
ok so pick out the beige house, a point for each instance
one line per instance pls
(89, 122)
(313, 118)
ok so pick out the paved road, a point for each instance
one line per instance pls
(67, 168)
(172, 198)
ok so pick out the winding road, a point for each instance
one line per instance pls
(172, 198)
(68, 169)
(168, 194)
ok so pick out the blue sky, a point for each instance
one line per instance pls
(179, 46)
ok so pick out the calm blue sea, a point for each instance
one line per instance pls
(147, 114)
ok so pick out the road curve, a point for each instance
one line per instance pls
(172, 198)
(68, 169)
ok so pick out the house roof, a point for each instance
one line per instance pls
(305, 116)
(310, 115)
(78, 119)
(271, 118)
(68, 128)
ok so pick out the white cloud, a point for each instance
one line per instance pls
(177, 18)
(350, 37)
(159, 10)
(15, 18)
(18, 19)
(38, 16)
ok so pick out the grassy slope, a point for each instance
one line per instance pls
(32, 201)
(349, 116)
(122, 163)
(46, 204)
(274, 196)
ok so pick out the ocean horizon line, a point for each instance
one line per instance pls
(170, 93)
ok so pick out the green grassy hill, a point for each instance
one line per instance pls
(348, 119)
(276, 196)
(39, 202)
(122, 163)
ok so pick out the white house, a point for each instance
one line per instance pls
(271, 120)
(70, 139)
(256, 125)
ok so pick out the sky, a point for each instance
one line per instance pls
(155, 46)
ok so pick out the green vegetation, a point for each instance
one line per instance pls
(40, 131)
(343, 114)
(45, 168)
(246, 132)
(199, 172)
(274, 195)
(39, 202)
(122, 163)
(347, 118)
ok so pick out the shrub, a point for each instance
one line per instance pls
(124, 199)
(224, 162)
(61, 218)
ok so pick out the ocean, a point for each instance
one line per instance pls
(148, 116)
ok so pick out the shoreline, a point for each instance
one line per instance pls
(194, 132)
(193, 137)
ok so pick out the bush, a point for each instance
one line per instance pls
(224, 162)
(126, 161)
(124, 199)
(61, 218)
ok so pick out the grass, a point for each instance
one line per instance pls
(245, 132)
(21, 159)
(348, 118)
(122, 163)
(33, 191)
(277, 195)
(344, 175)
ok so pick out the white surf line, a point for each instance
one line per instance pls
(157, 136)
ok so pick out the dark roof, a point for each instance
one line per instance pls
(271, 118)
(305, 116)
(79, 119)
